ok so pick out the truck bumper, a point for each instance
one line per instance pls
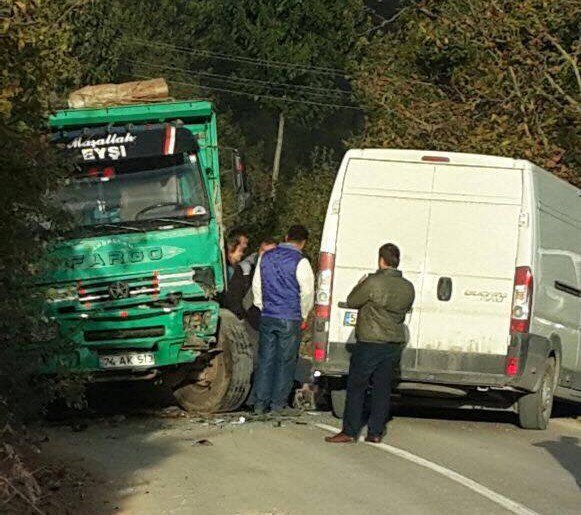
(86, 360)
(86, 336)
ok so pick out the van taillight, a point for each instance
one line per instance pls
(511, 366)
(324, 285)
(323, 305)
(320, 352)
(522, 300)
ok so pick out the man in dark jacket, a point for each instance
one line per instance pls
(238, 298)
(383, 299)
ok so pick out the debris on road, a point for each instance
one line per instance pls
(173, 412)
(118, 419)
(77, 427)
(202, 443)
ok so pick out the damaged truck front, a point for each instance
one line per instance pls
(133, 286)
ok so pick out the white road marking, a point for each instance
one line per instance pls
(495, 497)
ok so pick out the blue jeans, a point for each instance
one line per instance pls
(277, 360)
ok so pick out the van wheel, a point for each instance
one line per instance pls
(220, 380)
(534, 409)
(338, 398)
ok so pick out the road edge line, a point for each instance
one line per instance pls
(501, 500)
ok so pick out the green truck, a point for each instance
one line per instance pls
(134, 284)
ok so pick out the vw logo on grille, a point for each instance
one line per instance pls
(119, 290)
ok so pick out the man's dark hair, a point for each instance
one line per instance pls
(234, 237)
(297, 233)
(390, 254)
(268, 241)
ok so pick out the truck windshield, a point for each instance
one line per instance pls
(134, 198)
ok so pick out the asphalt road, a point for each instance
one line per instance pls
(465, 462)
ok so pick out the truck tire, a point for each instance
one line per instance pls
(534, 409)
(338, 398)
(220, 380)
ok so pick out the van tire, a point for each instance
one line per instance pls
(534, 409)
(220, 380)
(338, 398)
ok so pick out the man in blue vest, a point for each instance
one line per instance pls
(283, 288)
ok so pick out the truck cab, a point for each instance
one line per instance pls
(134, 283)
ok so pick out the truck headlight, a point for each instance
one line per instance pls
(68, 293)
(204, 276)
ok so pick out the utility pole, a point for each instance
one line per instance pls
(277, 154)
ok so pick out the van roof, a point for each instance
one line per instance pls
(455, 158)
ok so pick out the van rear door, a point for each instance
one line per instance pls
(457, 228)
(466, 295)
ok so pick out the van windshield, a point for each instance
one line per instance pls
(136, 197)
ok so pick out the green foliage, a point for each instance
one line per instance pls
(297, 34)
(304, 200)
(36, 66)
(486, 76)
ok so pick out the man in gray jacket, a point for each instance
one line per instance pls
(383, 299)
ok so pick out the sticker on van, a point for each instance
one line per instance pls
(350, 318)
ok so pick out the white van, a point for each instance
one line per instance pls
(493, 247)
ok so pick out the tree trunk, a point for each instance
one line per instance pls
(277, 153)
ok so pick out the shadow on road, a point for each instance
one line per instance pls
(116, 438)
(560, 411)
(466, 415)
(567, 452)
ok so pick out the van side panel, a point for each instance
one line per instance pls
(557, 301)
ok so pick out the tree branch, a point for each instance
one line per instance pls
(522, 102)
(569, 98)
(385, 21)
(23, 496)
(571, 59)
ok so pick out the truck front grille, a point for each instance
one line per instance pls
(124, 334)
(103, 291)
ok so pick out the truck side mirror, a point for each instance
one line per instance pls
(241, 186)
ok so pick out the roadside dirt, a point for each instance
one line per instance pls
(39, 481)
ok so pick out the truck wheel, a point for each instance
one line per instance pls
(220, 380)
(534, 409)
(338, 398)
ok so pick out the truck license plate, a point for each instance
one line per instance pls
(127, 360)
(350, 318)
